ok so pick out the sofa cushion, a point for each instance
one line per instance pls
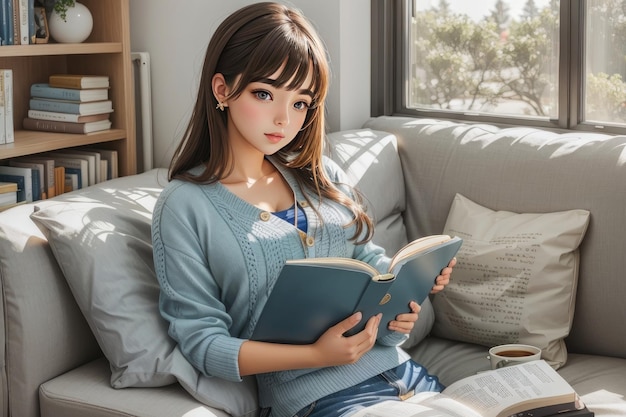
(101, 238)
(85, 391)
(370, 159)
(516, 277)
(528, 170)
(44, 333)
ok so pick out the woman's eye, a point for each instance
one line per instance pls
(263, 95)
(301, 105)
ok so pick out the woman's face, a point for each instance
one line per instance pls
(267, 118)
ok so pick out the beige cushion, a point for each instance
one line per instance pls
(101, 238)
(516, 278)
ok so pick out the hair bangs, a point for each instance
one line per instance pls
(294, 56)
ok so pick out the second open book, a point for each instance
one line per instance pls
(313, 294)
(523, 390)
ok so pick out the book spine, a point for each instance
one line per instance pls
(9, 126)
(46, 115)
(23, 21)
(45, 91)
(15, 26)
(62, 81)
(59, 180)
(53, 126)
(36, 185)
(4, 22)
(49, 175)
(3, 136)
(54, 106)
(32, 31)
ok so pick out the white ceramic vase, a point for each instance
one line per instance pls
(75, 28)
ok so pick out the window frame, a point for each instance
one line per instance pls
(390, 27)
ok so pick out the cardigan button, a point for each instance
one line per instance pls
(303, 203)
(265, 216)
(310, 241)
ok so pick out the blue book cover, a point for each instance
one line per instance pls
(36, 185)
(10, 29)
(43, 90)
(317, 293)
(32, 34)
(4, 22)
(63, 106)
(19, 180)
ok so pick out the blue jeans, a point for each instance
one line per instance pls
(394, 384)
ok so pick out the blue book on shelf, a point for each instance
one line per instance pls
(32, 34)
(63, 106)
(36, 185)
(43, 90)
(19, 180)
(4, 22)
(10, 31)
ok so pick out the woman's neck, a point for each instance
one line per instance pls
(250, 172)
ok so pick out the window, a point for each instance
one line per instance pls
(546, 63)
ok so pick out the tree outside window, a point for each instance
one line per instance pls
(505, 60)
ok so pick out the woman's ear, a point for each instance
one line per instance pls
(220, 89)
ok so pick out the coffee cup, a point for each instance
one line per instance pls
(511, 354)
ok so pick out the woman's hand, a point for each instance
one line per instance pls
(405, 322)
(333, 348)
(444, 278)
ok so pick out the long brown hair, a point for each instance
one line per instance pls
(249, 45)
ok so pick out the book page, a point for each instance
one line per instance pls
(515, 389)
(341, 263)
(416, 246)
(414, 407)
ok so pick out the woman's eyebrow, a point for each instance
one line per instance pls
(272, 82)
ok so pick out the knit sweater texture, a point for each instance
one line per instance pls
(217, 258)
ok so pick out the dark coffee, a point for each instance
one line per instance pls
(515, 353)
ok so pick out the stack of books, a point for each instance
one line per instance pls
(70, 103)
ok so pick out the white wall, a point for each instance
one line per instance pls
(176, 32)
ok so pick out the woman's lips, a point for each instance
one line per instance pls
(274, 137)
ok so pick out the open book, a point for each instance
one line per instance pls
(523, 390)
(313, 294)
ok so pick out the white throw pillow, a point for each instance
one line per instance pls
(101, 239)
(515, 280)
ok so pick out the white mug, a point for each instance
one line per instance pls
(510, 354)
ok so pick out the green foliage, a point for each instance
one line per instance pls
(61, 6)
(605, 97)
(459, 57)
(462, 64)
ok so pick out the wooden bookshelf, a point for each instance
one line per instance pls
(106, 52)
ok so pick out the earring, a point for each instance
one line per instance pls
(220, 106)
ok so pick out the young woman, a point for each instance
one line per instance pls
(250, 189)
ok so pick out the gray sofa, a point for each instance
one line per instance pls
(412, 171)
